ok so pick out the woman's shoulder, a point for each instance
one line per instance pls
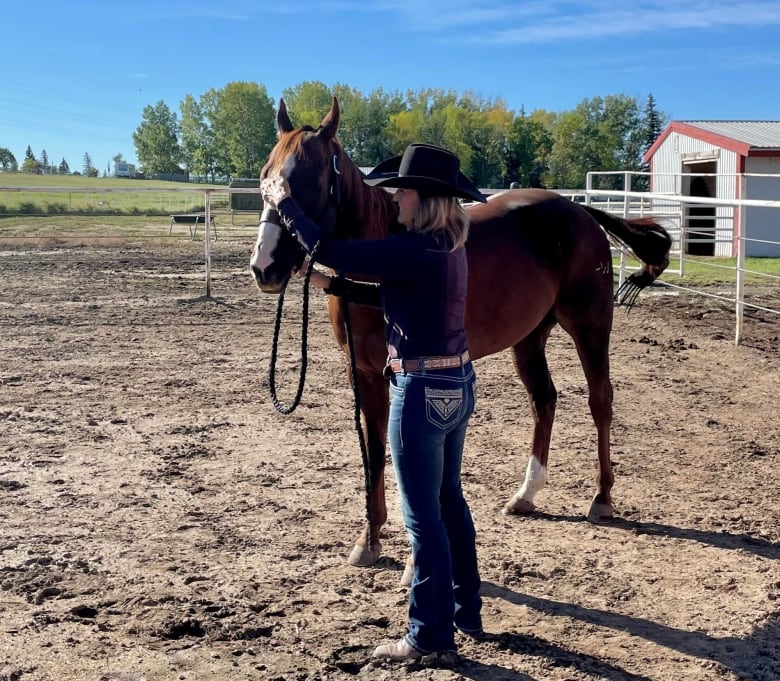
(429, 240)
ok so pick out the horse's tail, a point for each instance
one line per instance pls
(649, 242)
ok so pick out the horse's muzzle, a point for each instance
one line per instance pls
(273, 285)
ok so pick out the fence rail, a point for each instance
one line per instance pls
(671, 209)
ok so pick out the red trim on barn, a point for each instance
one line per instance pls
(740, 148)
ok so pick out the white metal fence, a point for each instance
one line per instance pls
(158, 205)
(673, 210)
(731, 228)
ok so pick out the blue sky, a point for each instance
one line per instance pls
(76, 75)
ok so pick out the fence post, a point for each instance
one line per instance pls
(207, 242)
(740, 291)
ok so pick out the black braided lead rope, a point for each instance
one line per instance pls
(281, 408)
(288, 409)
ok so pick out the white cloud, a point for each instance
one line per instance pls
(556, 20)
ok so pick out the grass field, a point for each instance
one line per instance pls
(91, 183)
(711, 270)
(27, 194)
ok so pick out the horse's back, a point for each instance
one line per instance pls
(532, 254)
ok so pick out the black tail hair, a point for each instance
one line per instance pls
(648, 241)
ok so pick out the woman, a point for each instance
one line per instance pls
(422, 275)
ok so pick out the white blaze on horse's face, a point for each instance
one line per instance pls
(268, 236)
(268, 278)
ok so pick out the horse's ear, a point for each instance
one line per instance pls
(330, 124)
(283, 122)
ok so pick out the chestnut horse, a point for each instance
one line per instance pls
(536, 259)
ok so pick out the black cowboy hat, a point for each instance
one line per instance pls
(431, 170)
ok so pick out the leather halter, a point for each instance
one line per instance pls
(335, 183)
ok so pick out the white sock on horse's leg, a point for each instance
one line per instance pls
(535, 479)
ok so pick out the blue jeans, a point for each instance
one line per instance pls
(429, 413)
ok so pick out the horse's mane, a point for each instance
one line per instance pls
(288, 145)
(372, 214)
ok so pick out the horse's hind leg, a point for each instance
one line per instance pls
(531, 366)
(592, 342)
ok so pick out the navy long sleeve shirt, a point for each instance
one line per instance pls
(422, 283)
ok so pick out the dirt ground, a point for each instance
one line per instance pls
(160, 520)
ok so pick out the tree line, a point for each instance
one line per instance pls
(41, 165)
(229, 132)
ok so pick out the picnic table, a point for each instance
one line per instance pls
(192, 220)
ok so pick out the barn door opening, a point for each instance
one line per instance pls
(699, 180)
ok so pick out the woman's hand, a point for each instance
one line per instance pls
(274, 190)
(317, 279)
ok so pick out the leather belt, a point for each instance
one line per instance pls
(427, 363)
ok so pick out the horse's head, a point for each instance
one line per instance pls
(309, 160)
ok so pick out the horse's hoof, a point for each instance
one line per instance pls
(518, 506)
(600, 513)
(364, 557)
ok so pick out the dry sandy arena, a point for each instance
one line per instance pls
(159, 520)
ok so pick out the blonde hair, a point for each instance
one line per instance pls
(443, 214)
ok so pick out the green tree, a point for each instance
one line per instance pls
(424, 119)
(363, 125)
(473, 128)
(30, 163)
(156, 140)
(622, 123)
(477, 131)
(88, 168)
(197, 139)
(601, 134)
(63, 168)
(8, 160)
(653, 123)
(528, 147)
(242, 123)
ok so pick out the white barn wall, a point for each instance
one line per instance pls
(667, 177)
(763, 223)
(725, 216)
(670, 159)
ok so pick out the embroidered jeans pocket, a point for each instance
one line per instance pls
(443, 408)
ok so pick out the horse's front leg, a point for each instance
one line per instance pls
(374, 409)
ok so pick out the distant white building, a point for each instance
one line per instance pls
(706, 158)
(124, 169)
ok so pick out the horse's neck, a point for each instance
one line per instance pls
(368, 212)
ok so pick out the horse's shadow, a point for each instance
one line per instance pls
(721, 540)
(754, 657)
